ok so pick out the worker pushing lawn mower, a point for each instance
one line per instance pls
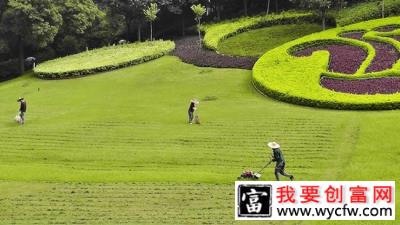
(277, 156)
(194, 103)
(20, 118)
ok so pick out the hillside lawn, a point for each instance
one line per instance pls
(115, 148)
(366, 11)
(258, 42)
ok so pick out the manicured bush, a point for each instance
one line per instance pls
(214, 33)
(103, 59)
(282, 75)
(367, 11)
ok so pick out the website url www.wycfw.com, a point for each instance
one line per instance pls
(328, 213)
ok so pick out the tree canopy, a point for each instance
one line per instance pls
(32, 23)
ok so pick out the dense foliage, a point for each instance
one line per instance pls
(103, 59)
(303, 74)
(29, 23)
(366, 11)
(321, 7)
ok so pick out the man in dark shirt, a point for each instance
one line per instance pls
(191, 110)
(277, 156)
(22, 109)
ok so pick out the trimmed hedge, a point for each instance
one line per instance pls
(214, 33)
(367, 11)
(103, 59)
(297, 79)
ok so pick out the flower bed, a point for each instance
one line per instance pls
(187, 49)
(342, 58)
(103, 59)
(283, 75)
(382, 85)
(387, 28)
(386, 54)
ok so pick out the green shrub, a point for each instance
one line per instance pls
(214, 33)
(103, 59)
(367, 11)
(297, 79)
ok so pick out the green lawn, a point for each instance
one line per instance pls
(214, 33)
(257, 42)
(115, 148)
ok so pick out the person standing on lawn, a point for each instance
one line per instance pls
(192, 109)
(277, 156)
(22, 109)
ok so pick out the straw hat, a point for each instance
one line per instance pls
(273, 145)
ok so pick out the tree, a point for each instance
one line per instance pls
(382, 6)
(341, 4)
(33, 23)
(3, 6)
(151, 15)
(3, 43)
(320, 6)
(198, 10)
(79, 16)
(179, 7)
(268, 4)
(245, 7)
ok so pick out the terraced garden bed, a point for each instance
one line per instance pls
(215, 33)
(383, 85)
(103, 59)
(353, 67)
(342, 58)
(257, 42)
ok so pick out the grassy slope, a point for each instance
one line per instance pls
(257, 42)
(216, 32)
(130, 126)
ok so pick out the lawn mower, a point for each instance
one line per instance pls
(251, 175)
(18, 119)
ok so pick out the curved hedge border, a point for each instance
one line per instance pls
(103, 59)
(297, 79)
(214, 33)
